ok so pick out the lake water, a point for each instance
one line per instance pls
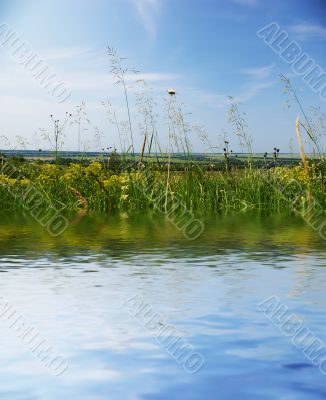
(75, 291)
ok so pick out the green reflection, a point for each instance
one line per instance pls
(122, 234)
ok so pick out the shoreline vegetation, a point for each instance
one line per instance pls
(168, 178)
(104, 186)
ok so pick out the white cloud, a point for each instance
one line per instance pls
(103, 81)
(213, 100)
(88, 78)
(258, 73)
(309, 31)
(219, 100)
(254, 89)
(29, 107)
(147, 11)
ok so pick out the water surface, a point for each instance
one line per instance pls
(73, 289)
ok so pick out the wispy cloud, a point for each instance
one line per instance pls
(222, 100)
(14, 80)
(64, 53)
(308, 31)
(102, 81)
(147, 11)
(254, 90)
(258, 73)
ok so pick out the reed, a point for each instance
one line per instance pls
(122, 182)
(94, 188)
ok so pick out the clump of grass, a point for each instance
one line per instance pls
(95, 188)
(132, 182)
(240, 128)
(311, 128)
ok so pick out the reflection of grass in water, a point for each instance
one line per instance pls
(148, 231)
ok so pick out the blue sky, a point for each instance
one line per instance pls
(206, 49)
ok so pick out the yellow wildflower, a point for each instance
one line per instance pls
(24, 182)
(94, 168)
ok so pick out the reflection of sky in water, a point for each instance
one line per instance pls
(75, 302)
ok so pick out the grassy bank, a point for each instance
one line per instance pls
(167, 176)
(94, 187)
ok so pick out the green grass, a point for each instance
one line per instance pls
(93, 187)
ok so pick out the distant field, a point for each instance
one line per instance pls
(175, 158)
